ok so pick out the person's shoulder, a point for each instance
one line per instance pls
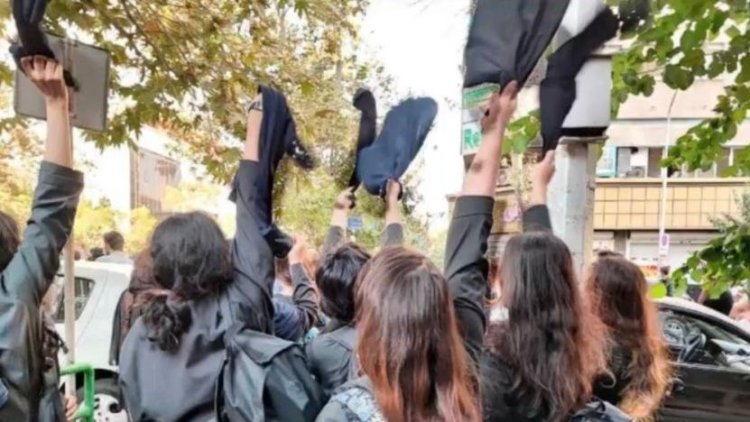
(333, 411)
(493, 368)
(352, 401)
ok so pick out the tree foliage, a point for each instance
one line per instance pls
(674, 46)
(688, 40)
(190, 67)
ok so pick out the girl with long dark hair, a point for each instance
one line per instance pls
(638, 355)
(540, 363)
(413, 363)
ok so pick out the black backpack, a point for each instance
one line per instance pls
(265, 378)
(601, 411)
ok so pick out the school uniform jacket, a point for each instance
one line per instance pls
(163, 386)
(30, 383)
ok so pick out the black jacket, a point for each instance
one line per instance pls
(466, 271)
(331, 354)
(294, 316)
(163, 386)
(23, 284)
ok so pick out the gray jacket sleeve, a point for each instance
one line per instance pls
(304, 296)
(251, 290)
(334, 239)
(393, 235)
(32, 269)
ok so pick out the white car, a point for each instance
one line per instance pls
(98, 289)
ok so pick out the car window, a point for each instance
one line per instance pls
(83, 289)
(697, 341)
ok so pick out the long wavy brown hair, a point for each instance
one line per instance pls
(409, 344)
(620, 295)
(552, 341)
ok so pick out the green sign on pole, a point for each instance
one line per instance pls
(474, 102)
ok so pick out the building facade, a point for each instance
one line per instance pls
(629, 185)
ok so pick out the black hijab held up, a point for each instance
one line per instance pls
(278, 136)
(364, 101)
(508, 37)
(28, 15)
(404, 131)
(558, 90)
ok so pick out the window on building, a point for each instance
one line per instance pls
(654, 161)
(623, 161)
(724, 161)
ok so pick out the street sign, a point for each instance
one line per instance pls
(474, 102)
(355, 223)
(664, 242)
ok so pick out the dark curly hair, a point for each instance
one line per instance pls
(551, 341)
(191, 260)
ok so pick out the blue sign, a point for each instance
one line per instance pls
(355, 223)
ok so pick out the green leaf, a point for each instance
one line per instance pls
(677, 77)
(658, 291)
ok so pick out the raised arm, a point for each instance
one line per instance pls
(304, 297)
(466, 266)
(393, 235)
(536, 217)
(339, 219)
(31, 270)
(251, 255)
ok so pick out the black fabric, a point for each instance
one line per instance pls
(558, 90)
(28, 15)
(25, 371)
(364, 101)
(278, 136)
(610, 387)
(265, 378)
(194, 368)
(331, 357)
(466, 269)
(405, 128)
(508, 37)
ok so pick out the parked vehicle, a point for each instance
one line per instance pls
(98, 287)
(712, 353)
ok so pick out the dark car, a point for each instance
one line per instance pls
(712, 353)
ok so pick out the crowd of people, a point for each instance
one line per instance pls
(212, 328)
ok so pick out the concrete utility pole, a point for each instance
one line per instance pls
(572, 191)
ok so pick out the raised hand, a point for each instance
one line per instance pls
(500, 109)
(540, 178)
(345, 200)
(47, 75)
